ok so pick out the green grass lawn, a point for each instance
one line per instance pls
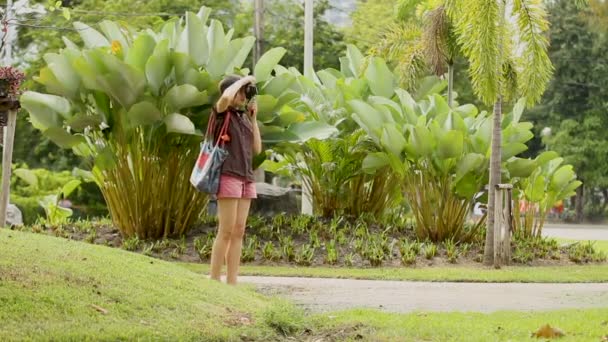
(578, 325)
(524, 274)
(62, 290)
(52, 288)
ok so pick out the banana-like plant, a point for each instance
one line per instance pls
(134, 105)
(332, 168)
(441, 154)
(539, 184)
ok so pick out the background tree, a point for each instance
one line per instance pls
(575, 104)
(369, 20)
(284, 27)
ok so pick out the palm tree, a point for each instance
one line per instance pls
(506, 45)
(421, 39)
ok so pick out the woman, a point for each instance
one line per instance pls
(237, 183)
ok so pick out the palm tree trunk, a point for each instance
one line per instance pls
(495, 158)
(450, 84)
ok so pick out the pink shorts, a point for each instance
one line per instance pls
(235, 187)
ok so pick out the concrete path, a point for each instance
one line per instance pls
(576, 232)
(321, 295)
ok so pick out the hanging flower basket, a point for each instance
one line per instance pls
(10, 83)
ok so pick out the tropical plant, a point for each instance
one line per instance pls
(56, 214)
(134, 104)
(507, 51)
(540, 184)
(439, 152)
(332, 253)
(305, 255)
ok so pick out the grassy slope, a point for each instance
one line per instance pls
(48, 287)
(558, 274)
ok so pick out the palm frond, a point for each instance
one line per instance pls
(478, 36)
(406, 9)
(536, 67)
(581, 3)
(435, 36)
(403, 46)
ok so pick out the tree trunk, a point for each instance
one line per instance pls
(450, 84)
(495, 159)
(605, 195)
(580, 203)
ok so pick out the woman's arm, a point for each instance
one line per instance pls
(226, 99)
(257, 139)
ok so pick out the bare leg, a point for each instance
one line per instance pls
(233, 258)
(227, 214)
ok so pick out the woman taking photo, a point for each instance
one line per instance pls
(237, 182)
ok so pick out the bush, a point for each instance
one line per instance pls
(26, 194)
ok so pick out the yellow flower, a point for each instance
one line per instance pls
(116, 47)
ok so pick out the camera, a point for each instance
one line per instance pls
(250, 91)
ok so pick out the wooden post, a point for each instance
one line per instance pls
(7, 161)
(502, 224)
(497, 226)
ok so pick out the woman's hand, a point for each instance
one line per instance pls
(252, 109)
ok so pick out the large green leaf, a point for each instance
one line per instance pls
(512, 149)
(312, 129)
(451, 145)
(246, 44)
(62, 69)
(113, 33)
(267, 63)
(144, 113)
(277, 85)
(467, 186)
(535, 191)
(422, 141)
(355, 58)
(91, 37)
(546, 157)
(193, 40)
(158, 66)
(280, 136)
(392, 139)
(44, 109)
(562, 177)
(185, 96)
(69, 187)
(470, 163)
(367, 117)
(80, 122)
(216, 38)
(381, 79)
(521, 168)
(140, 52)
(178, 123)
(125, 85)
(62, 138)
(374, 161)
(266, 106)
(222, 60)
(28, 176)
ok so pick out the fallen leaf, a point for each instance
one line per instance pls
(100, 309)
(604, 339)
(546, 331)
